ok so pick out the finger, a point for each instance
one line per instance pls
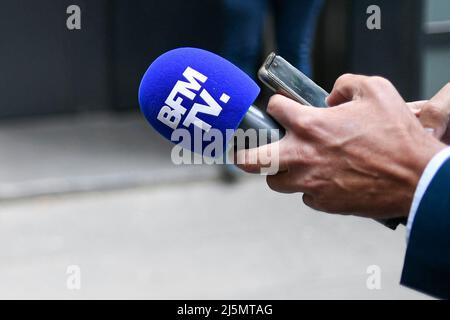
(416, 107)
(346, 88)
(287, 112)
(309, 201)
(257, 159)
(283, 183)
(434, 119)
(435, 113)
(442, 98)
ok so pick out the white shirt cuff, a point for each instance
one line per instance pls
(432, 168)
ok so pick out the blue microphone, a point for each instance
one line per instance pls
(196, 90)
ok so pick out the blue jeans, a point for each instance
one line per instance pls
(295, 24)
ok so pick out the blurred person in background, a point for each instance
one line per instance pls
(295, 24)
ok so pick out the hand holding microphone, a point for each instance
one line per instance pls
(200, 91)
(364, 155)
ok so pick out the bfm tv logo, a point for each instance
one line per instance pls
(211, 143)
(171, 114)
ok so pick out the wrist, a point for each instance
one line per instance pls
(423, 150)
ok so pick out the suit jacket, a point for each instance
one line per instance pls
(427, 261)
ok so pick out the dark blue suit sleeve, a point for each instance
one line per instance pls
(427, 261)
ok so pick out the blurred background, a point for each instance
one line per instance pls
(84, 181)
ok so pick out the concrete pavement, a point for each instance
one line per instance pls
(86, 152)
(200, 240)
(99, 192)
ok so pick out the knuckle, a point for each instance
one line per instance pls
(311, 183)
(345, 78)
(380, 88)
(307, 123)
(381, 81)
(309, 186)
(307, 183)
(377, 82)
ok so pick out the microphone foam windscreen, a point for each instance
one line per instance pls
(196, 90)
